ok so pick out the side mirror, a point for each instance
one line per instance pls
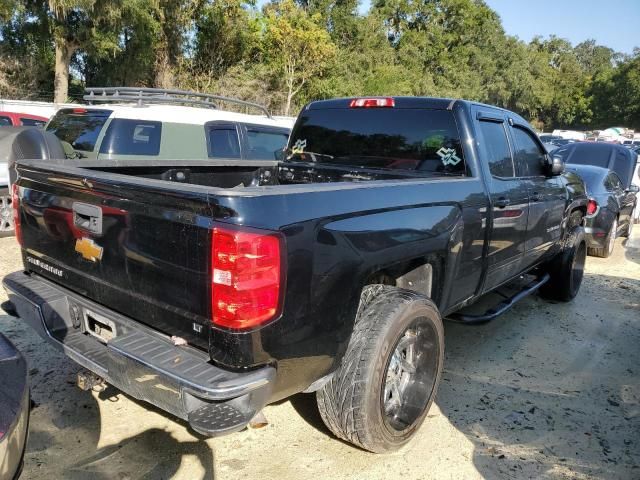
(556, 165)
(633, 189)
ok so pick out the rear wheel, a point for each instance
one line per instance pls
(389, 376)
(6, 214)
(609, 243)
(567, 267)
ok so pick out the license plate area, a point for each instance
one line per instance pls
(99, 326)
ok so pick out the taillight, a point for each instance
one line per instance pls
(386, 102)
(592, 207)
(246, 278)
(15, 205)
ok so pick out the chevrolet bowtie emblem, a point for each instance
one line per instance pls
(89, 249)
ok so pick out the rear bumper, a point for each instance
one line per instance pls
(595, 237)
(140, 361)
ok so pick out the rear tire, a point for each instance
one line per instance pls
(567, 267)
(7, 228)
(609, 243)
(389, 376)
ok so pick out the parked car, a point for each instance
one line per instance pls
(156, 124)
(15, 405)
(329, 271)
(13, 119)
(615, 157)
(610, 209)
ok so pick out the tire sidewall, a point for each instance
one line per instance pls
(384, 349)
(577, 242)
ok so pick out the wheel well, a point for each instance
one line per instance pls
(421, 276)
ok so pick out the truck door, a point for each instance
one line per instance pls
(509, 201)
(547, 195)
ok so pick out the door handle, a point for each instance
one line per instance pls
(502, 202)
(535, 197)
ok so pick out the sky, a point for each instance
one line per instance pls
(612, 23)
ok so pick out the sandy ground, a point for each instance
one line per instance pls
(545, 391)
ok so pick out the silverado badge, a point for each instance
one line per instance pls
(89, 249)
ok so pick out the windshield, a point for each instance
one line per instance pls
(79, 127)
(421, 140)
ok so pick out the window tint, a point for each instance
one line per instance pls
(223, 142)
(132, 137)
(623, 165)
(80, 128)
(421, 140)
(497, 147)
(263, 143)
(5, 122)
(528, 153)
(32, 122)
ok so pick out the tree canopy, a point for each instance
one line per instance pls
(289, 52)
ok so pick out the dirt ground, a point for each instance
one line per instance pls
(545, 391)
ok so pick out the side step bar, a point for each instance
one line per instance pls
(501, 307)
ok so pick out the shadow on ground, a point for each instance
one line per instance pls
(572, 406)
(60, 409)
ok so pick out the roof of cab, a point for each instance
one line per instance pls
(400, 102)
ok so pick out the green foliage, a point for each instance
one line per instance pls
(294, 51)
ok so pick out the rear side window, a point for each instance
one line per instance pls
(528, 152)
(32, 122)
(497, 148)
(79, 127)
(223, 141)
(421, 140)
(132, 137)
(263, 144)
(5, 122)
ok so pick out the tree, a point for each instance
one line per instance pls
(296, 47)
(79, 24)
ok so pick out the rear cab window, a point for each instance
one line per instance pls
(265, 143)
(421, 141)
(79, 128)
(223, 141)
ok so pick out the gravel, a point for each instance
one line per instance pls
(544, 391)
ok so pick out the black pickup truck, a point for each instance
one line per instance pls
(213, 288)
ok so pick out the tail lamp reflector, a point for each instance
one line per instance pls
(246, 278)
(592, 207)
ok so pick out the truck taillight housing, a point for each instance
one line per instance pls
(15, 205)
(376, 102)
(246, 278)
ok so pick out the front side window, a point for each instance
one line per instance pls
(32, 122)
(223, 142)
(497, 148)
(263, 144)
(424, 141)
(132, 137)
(78, 127)
(527, 152)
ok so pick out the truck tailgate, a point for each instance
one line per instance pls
(142, 252)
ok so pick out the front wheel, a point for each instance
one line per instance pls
(389, 376)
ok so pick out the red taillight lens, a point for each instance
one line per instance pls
(15, 205)
(246, 278)
(387, 102)
(592, 207)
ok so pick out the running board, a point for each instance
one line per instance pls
(501, 307)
